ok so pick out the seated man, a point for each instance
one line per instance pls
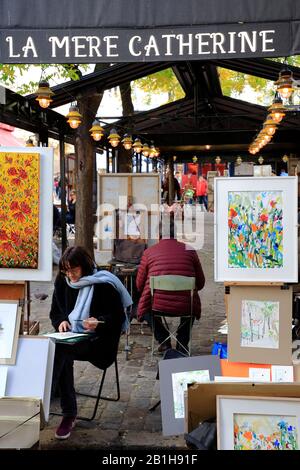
(169, 257)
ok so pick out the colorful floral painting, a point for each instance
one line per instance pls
(180, 382)
(265, 432)
(19, 210)
(260, 324)
(255, 229)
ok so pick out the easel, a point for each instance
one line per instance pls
(19, 291)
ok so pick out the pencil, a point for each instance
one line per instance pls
(90, 321)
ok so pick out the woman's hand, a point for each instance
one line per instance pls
(64, 326)
(90, 323)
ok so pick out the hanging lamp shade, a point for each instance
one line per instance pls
(96, 131)
(260, 160)
(157, 152)
(277, 110)
(127, 141)
(137, 146)
(44, 94)
(285, 83)
(114, 138)
(74, 118)
(29, 143)
(146, 150)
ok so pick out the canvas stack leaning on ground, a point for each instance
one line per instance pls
(259, 324)
(174, 377)
(256, 229)
(26, 202)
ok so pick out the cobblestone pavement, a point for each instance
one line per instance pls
(128, 423)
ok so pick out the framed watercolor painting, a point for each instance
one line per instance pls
(258, 320)
(10, 317)
(258, 423)
(256, 229)
(174, 377)
(26, 202)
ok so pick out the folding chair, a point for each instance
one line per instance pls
(98, 396)
(172, 283)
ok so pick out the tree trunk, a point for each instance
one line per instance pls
(84, 167)
(125, 156)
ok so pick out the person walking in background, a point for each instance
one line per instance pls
(201, 192)
(70, 216)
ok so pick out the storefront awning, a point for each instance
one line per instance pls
(7, 139)
(64, 31)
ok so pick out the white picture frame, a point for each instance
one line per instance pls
(31, 376)
(10, 318)
(237, 415)
(226, 251)
(44, 270)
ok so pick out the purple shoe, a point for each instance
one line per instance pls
(64, 429)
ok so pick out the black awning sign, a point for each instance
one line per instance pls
(85, 46)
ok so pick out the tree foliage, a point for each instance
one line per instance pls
(164, 81)
(27, 76)
(235, 83)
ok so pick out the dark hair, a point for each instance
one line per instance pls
(75, 256)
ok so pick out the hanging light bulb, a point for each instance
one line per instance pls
(260, 160)
(207, 147)
(276, 110)
(114, 138)
(29, 143)
(157, 152)
(269, 126)
(74, 117)
(127, 141)
(96, 131)
(195, 159)
(137, 146)
(146, 150)
(285, 158)
(239, 160)
(152, 151)
(285, 83)
(44, 94)
(218, 160)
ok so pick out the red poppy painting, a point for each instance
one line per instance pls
(19, 210)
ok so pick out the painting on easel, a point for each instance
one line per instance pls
(19, 213)
(257, 324)
(256, 229)
(260, 324)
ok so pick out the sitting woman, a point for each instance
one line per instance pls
(90, 301)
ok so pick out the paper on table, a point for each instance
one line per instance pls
(64, 335)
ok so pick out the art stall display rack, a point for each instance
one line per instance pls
(256, 256)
